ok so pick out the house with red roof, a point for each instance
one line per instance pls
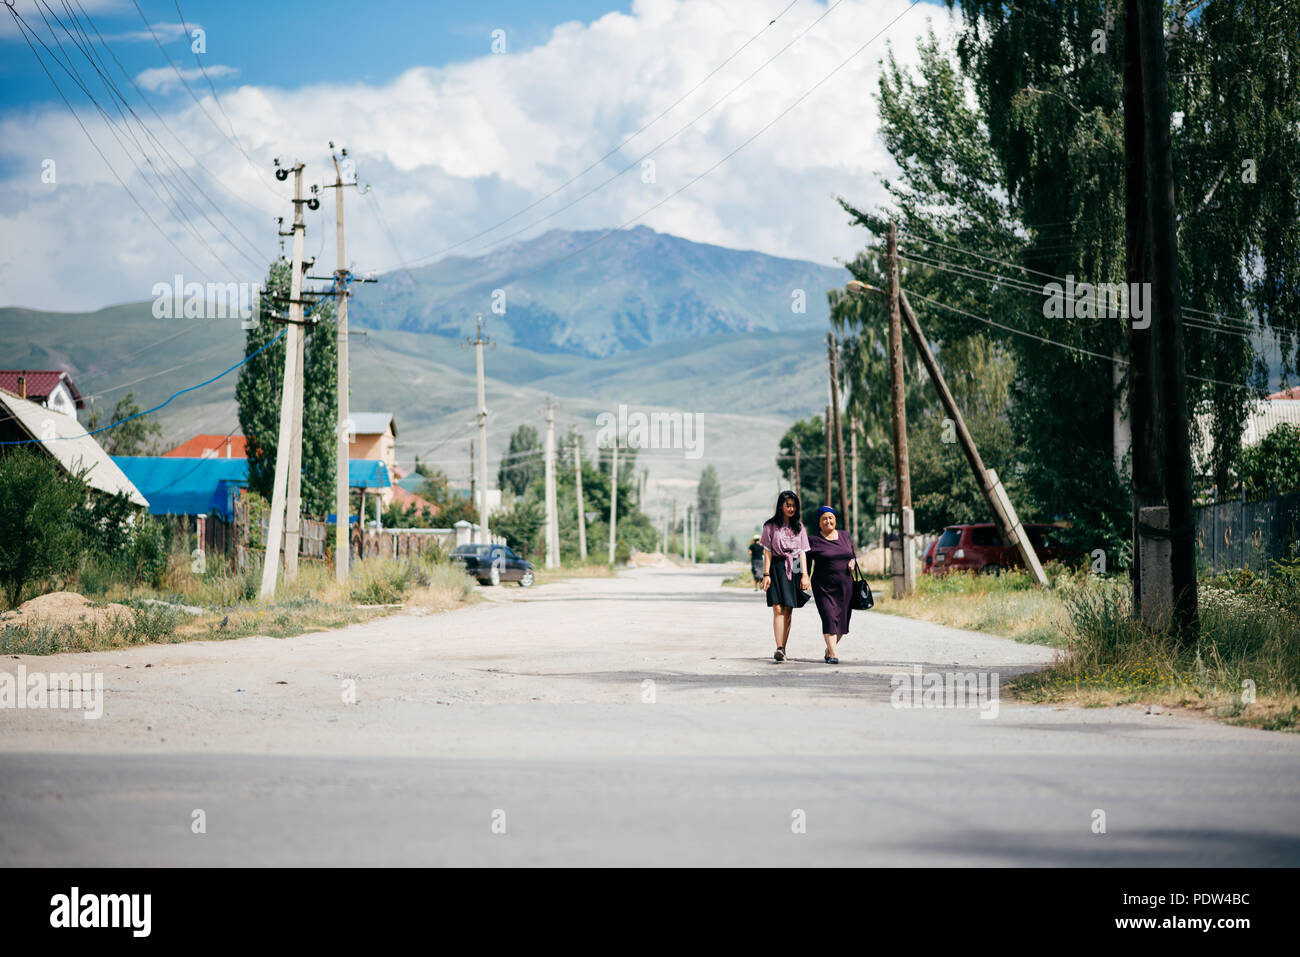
(48, 388)
(210, 447)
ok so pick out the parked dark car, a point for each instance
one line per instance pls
(493, 564)
(979, 548)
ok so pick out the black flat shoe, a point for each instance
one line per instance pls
(779, 655)
(832, 661)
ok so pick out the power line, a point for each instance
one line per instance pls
(165, 402)
(629, 139)
(1061, 345)
(25, 29)
(546, 266)
(180, 76)
(115, 95)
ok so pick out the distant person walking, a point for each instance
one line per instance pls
(785, 542)
(756, 562)
(833, 561)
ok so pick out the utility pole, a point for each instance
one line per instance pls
(343, 432)
(827, 499)
(853, 461)
(902, 468)
(798, 485)
(552, 515)
(1166, 323)
(577, 479)
(473, 475)
(674, 528)
(613, 499)
(695, 536)
(839, 433)
(288, 392)
(478, 342)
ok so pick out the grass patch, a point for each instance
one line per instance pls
(546, 576)
(1244, 668)
(1010, 605)
(314, 601)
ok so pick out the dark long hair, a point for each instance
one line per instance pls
(778, 517)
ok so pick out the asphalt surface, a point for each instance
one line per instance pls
(635, 720)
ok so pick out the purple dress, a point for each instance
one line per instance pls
(832, 582)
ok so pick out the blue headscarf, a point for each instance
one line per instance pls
(825, 508)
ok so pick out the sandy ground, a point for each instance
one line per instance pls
(637, 719)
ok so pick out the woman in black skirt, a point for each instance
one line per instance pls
(785, 544)
(833, 561)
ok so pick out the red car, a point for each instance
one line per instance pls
(979, 548)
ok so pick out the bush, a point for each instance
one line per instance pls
(381, 582)
(40, 505)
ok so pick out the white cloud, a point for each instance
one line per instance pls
(453, 150)
(164, 79)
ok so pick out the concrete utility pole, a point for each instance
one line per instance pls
(613, 499)
(552, 515)
(902, 468)
(288, 391)
(695, 536)
(577, 479)
(1167, 325)
(839, 433)
(987, 479)
(478, 342)
(473, 475)
(343, 432)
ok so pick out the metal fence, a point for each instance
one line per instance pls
(1242, 534)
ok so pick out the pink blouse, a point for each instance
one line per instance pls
(784, 543)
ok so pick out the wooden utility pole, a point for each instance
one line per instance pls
(1143, 402)
(853, 460)
(827, 499)
(1166, 321)
(288, 392)
(798, 485)
(577, 479)
(902, 467)
(478, 342)
(613, 499)
(839, 433)
(552, 514)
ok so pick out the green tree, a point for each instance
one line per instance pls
(137, 435)
(522, 464)
(258, 389)
(39, 508)
(708, 498)
(1273, 466)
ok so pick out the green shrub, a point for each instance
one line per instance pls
(40, 505)
(381, 581)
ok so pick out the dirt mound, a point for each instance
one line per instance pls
(62, 608)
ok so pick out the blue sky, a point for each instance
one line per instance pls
(707, 119)
(281, 44)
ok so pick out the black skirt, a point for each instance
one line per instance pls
(783, 591)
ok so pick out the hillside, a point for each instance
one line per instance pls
(749, 372)
(634, 289)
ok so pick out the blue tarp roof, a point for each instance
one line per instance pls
(177, 486)
(184, 486)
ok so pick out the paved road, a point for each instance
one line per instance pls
(531, 714)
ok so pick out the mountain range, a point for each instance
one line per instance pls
(638, 318)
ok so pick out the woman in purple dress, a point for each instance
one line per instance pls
(833, 562)
(785, 544)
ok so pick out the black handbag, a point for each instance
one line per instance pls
(862, 597)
